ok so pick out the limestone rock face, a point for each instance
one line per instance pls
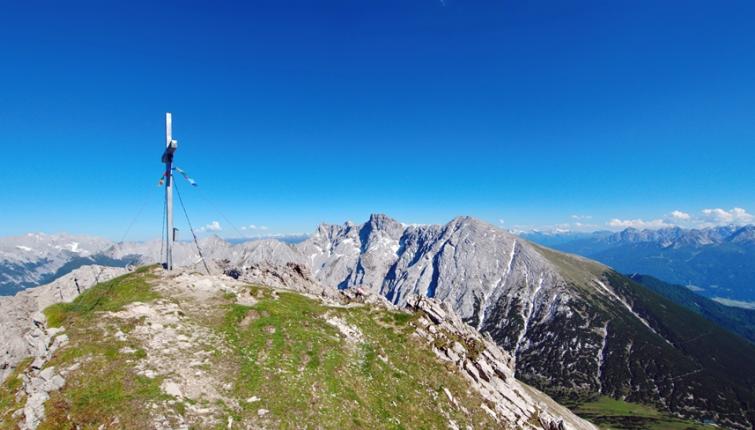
(24, 332)
(468, 263)
(489, 369)
(576, 327)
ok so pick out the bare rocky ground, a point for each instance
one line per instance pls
(181, 356)
(489, 369)
(21, 318)
(25, 336)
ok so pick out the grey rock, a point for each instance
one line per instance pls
(514, 402)
(25, 332)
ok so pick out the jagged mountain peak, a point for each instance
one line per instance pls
(380, 220)
(378, 225)
(213, 240)
(543, 306)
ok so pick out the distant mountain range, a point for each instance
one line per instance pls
(717, 262)
(37, 258)
(577, 328)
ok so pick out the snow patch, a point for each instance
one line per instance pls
(629, 308)
(601, 357)
(486, 296)
(528, 318)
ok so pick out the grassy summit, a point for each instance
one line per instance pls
(280, 360)
(152, 351)
(305, 371)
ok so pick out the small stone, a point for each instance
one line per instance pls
(171, 388)
(56, 382)
(38, 363)
(449, 395)
(459, 349)
(472, 370)
(39, 319)
(262, 412)
(452, 355)
(47, 373)
(253, 399)
(484, 369)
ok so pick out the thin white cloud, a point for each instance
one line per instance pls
(501, 221)
(254, 227)
(581, 217)
(681, 216)
(708, 218)
(213, 226)
(639, 223)
(720, 216)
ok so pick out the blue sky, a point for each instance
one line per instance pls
(288, 114)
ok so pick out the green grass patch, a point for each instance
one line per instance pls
(308, 376)
(105, 390)
(610, 413)
(111, 296)
(8, 390)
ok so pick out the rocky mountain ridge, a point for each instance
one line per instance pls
(55, 372)
(488, 367)
(576, 328)
(542, 306)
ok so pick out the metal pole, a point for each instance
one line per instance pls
(169, 191)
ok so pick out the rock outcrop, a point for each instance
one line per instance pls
(489, 369)
(24, 328)
(577, 328)
(25, 335)
(168, 340)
